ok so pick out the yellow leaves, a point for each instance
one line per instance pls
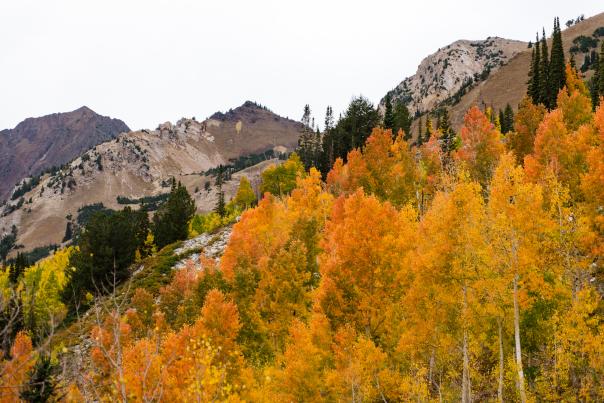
(245, 196)
(385, 168)
(279, 180)
(365, 247)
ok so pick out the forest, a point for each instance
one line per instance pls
(467, 266)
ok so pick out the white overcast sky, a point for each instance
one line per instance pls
(150, 61)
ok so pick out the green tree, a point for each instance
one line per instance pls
(171, 221)
(351, 131)
(506, 119)
(557, 65)
(220, 207)
(534, 77)
(280, 180)
(388, 113)
(309, 142)
(17, 267)
(447, 133)
(245, 197)
(420, 133)
(42, 384)
(544, 87)
(402, 120)
(106, 249)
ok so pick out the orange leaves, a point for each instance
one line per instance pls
(14, 372)
(201, 362)
(219, 321)
(481, 145)
(385, 168)
(527, 121)
(574, 101)
(365, 248)
(260, 231)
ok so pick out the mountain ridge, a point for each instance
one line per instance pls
(140, 163)
(40, 143)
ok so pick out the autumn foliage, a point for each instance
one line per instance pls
(408, 275)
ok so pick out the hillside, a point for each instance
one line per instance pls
(140, 163)
(37, 144)
(493, 72)
(508, 84)
(452, 69)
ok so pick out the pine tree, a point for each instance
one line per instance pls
(420, 133)
(41, 385)
(388, 113)
(68, 232)
(507, 119)
(557, 65)
(402, 120)
(220, 208)
(171, 221)
(329, 121)
(448, 134)
(544, 93)
(534, 76)
(501, 119)
(17, 268)
(543, 84)
(429, 129)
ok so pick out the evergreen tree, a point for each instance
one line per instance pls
(420, 133)
(106, 249)
(17, 268)
(506, 118)
(329, 121)
(429, 129)
(534, 72)
(171, 221)
(502, 122)
(309, 143)
(447, 143)
(220, 207)
(557, 66)
(41, 385)
(402, 120)
(388, 113)
(544, 87)
(68, 232)
(351, 131)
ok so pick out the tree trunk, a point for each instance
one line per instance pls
(517, 341)
(501, 367)
(465, 384)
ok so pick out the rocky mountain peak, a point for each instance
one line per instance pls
(453, 69)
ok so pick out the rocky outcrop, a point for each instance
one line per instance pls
(452, 70)
(37, 144)
(141, 163)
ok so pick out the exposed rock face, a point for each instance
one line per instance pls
(53, 140)
(447, 72)
(141, 163)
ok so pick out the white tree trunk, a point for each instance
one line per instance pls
(501, 364)
(517, 340)
(465, 384)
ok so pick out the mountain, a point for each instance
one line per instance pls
(508, 84)
(493, 72)
(141, 163)
(37, 144)
(452, 69)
